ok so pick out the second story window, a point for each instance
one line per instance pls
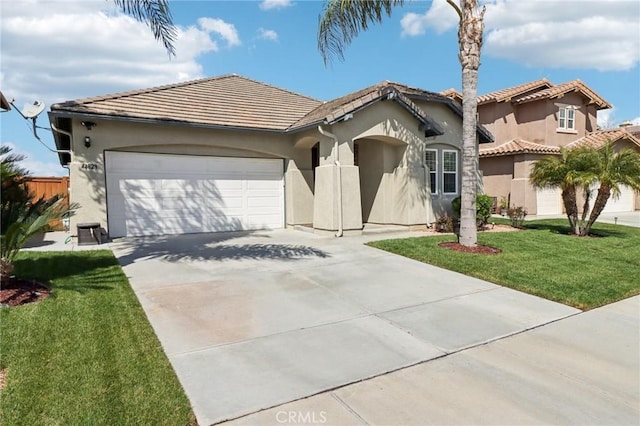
(567, 118)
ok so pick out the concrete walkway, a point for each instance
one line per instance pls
(252, 321)
(580, 370)
(623, 218)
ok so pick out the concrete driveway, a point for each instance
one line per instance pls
(253, 320)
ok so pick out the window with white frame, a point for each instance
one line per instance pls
(449, 172)
(431, 161)
(567, 118)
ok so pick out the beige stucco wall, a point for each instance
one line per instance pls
(393, 182)
(508, 177)
(390, 184)
(498, 173)
(87, 186)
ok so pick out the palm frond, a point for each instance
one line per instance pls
(157, 16)
(342, 20)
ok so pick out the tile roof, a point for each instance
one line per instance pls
(518, 146)
(229, 101)
(4, 103)
(508, 93)
(452, 94)
(599, 138)
(634, 130)
(237, 102)
(337, 109)
(561, 89)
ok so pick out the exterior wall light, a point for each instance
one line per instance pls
(87, 141)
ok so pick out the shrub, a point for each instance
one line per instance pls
(444, 223)
(517, 215)
(484, 203)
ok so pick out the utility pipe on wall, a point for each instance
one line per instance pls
(323, 132)
(63, 132)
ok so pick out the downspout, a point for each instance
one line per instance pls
(64, 132)
(323, 132)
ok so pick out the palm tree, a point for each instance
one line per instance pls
(21, 216)
(157, 16)
(570, 171)
(612, 170)
(342, 20)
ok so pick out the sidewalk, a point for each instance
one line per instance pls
(584, 369)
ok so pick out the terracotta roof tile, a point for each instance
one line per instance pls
(634, 130)
(601, 137)
(508, 93)
(518, 146)
(452, 94)
(561, 89)
(229, 100)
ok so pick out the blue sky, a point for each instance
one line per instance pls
(68, 49)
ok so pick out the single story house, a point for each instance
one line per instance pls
(230, 153)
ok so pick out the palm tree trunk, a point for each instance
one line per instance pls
(571, 207)
(6, 268)
(470, 42)
(468, 225)
(604, 192)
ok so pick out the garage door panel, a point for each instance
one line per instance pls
(549, 201)
(263, 202)
(625, 202)
(142, 204)
(224, 184)
(152, 194)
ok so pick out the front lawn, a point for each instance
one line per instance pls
(544, 260)
(87, 354)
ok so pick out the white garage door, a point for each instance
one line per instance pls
(625, 203)
(549, 201)
(156, 194)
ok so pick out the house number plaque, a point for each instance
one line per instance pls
(89, 166)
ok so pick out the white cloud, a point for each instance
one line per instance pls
(275, 4)
(605, 118)
(267, 34)
(440, 16)
(226, 30)
(599, 35)
(636, 121)
(55, 53)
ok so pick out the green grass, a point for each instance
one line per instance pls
(544, 260)
(86, 355)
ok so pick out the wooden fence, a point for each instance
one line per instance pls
(47, 187)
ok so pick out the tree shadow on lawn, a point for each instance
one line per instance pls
(211, 246)
(56, 270)
(566, 230)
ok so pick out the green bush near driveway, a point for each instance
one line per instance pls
(544, 260)
(86, 355)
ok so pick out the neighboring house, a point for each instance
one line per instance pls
(229, 153)
(535, 119)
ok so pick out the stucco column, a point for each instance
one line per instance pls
(337, 203)
(407, 190)
(299, 197)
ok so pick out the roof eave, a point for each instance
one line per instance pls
(167, 121)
